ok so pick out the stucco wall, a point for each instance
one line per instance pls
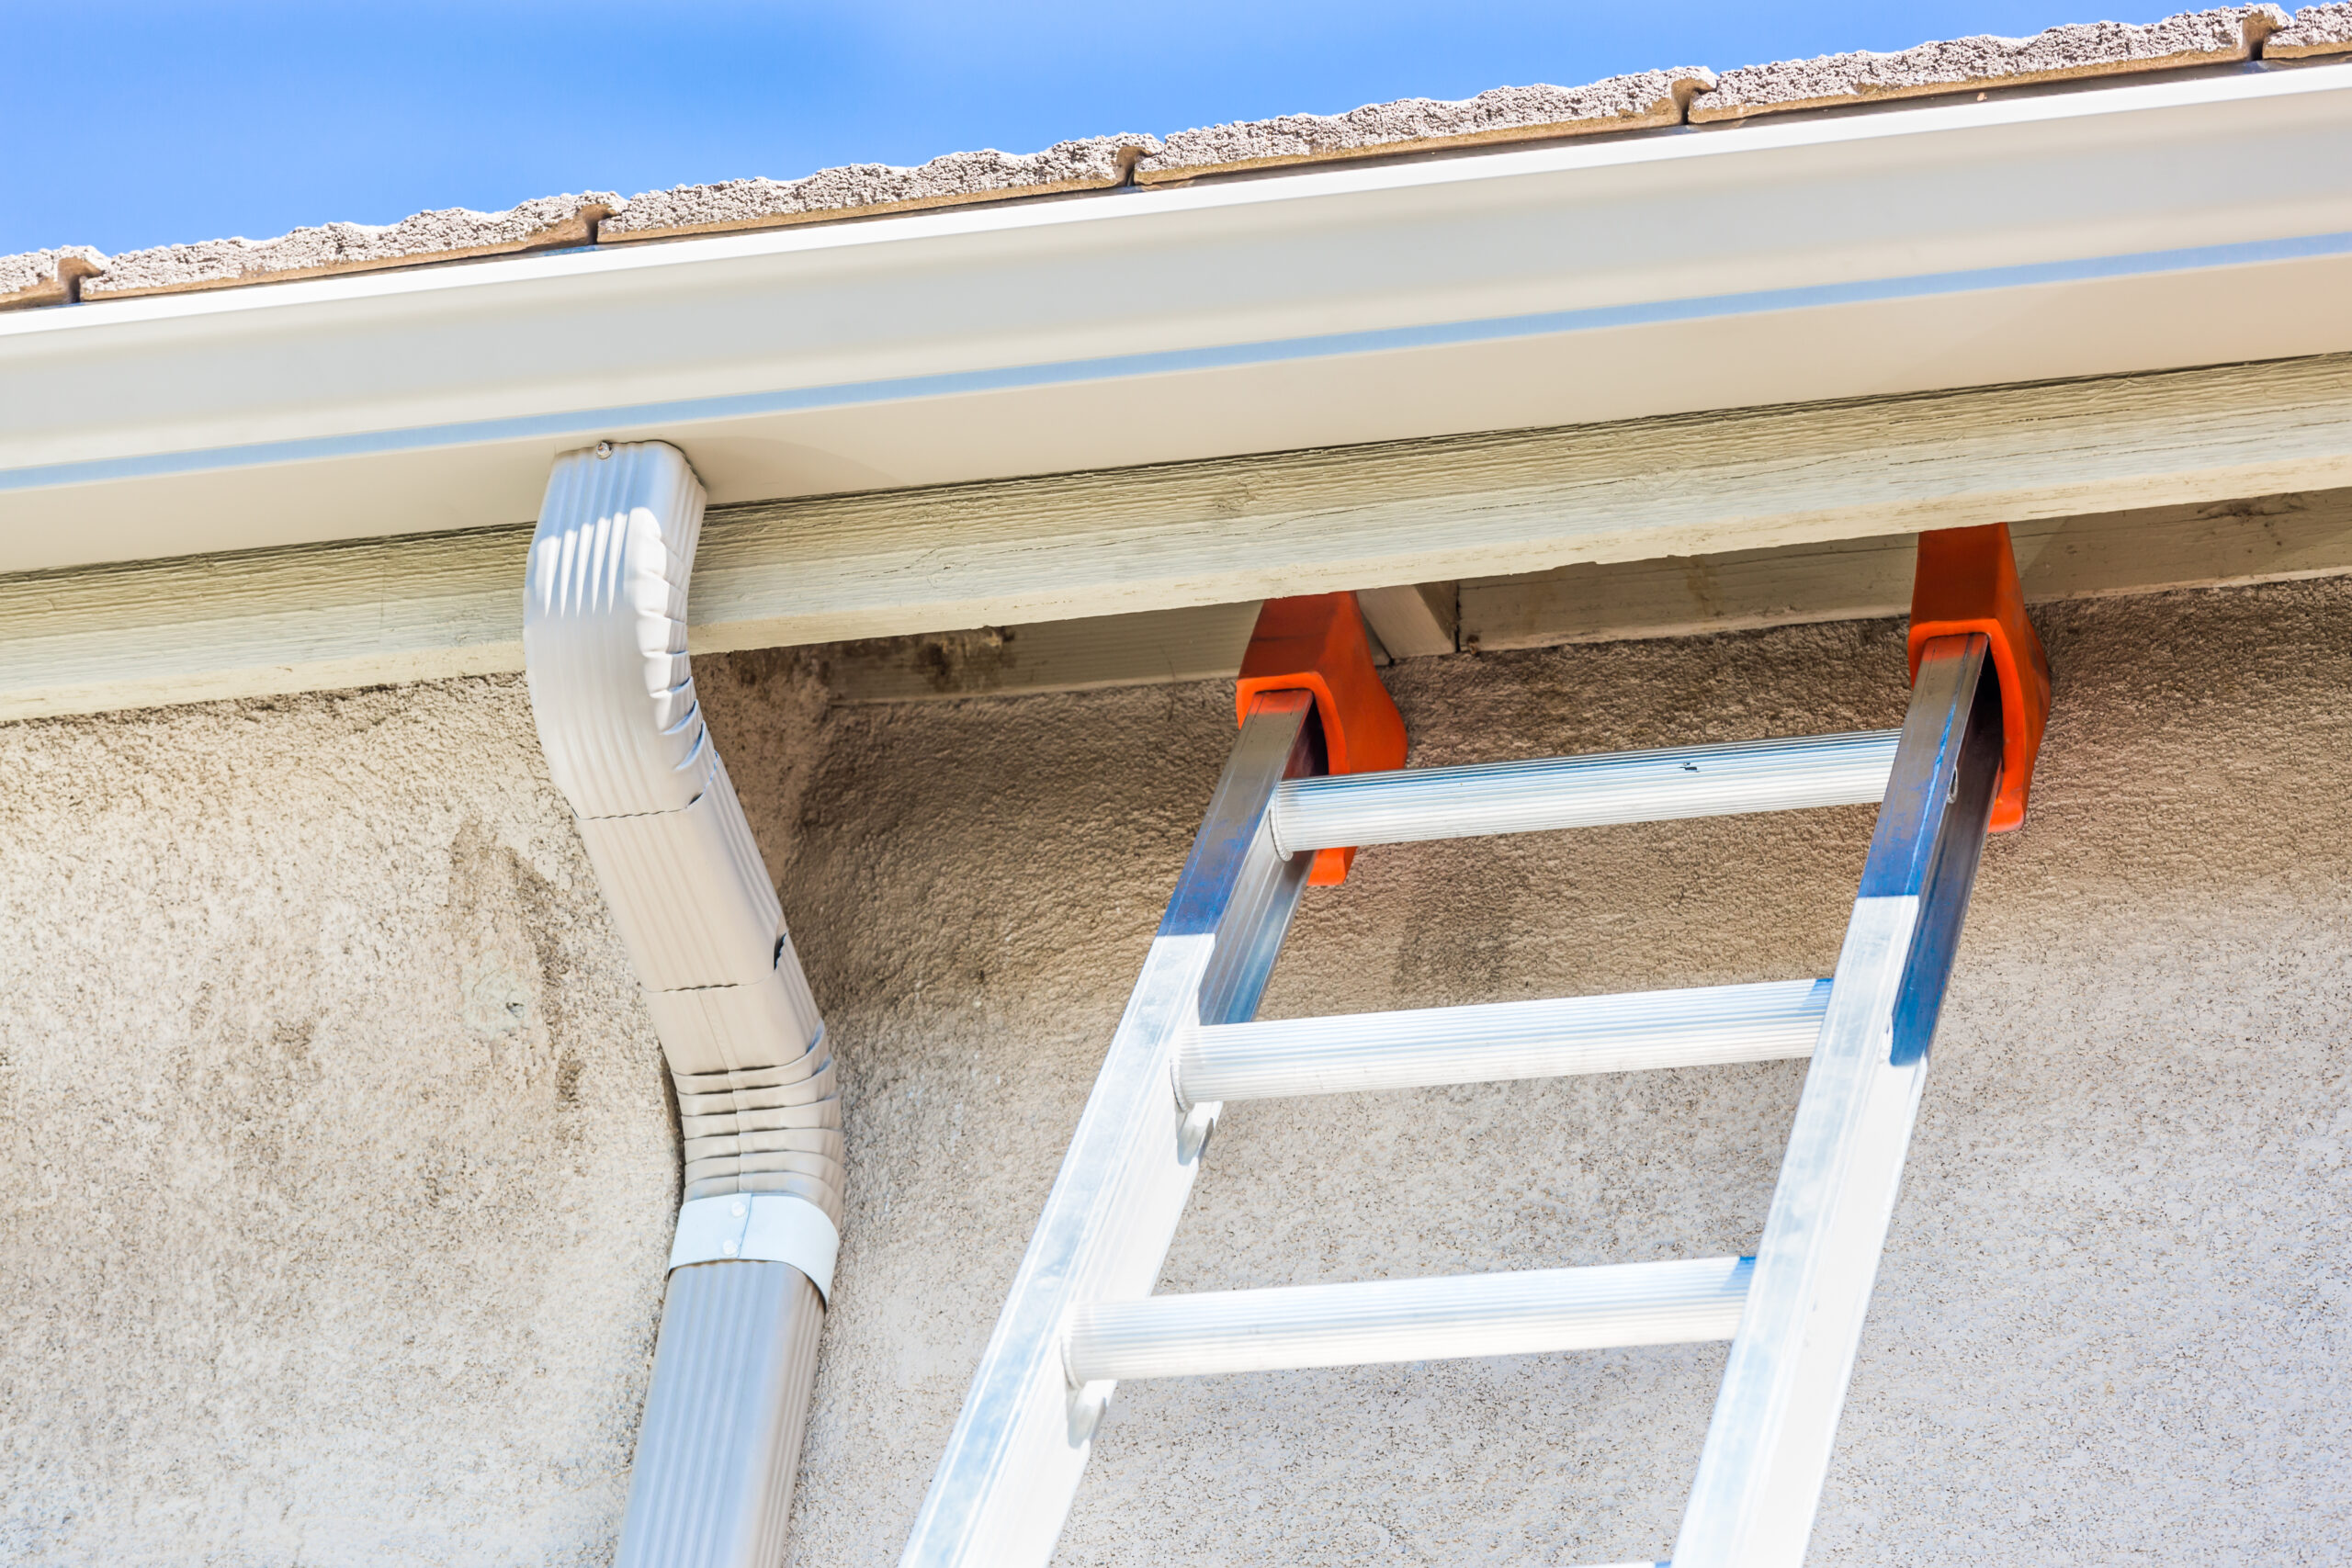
(337, 1165)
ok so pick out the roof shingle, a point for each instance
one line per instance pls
(450, 234)
(1960, 65)
(1639, 102)
(1644, 100)
(2316, 30)
(1092, 163)
(46, 277)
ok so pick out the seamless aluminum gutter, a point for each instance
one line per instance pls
(2183, 221)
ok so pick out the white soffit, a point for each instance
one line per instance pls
(2070, 233)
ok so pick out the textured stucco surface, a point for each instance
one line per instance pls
(2111, 1326)
(336, 1159)
(338, 1162)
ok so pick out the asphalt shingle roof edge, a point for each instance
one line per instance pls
(1644, 100)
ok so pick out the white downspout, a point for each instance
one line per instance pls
(604, 646)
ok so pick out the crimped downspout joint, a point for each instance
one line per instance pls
(751, 1261)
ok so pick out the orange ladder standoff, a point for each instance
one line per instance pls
(1318, 773)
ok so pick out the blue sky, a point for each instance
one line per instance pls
(139, 124)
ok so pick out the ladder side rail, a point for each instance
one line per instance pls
(1412, 805)
(1013, 1462)
(1759, 1485)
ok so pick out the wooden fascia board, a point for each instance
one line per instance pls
(1128, 541)
(2261, 539)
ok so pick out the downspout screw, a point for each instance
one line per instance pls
(604, 448)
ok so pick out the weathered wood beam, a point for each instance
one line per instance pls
(1125, 542)
(262, 623)
(1150, 647)
(2267, 540)
(1415, 621)
(2264, 541)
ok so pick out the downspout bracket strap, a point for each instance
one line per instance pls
(761, 1227)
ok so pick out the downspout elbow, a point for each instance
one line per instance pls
(751, 1261)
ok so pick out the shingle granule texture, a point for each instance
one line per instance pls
(450, 234)
(1639, 102)
(2078, 49)
(46, 277)
(2316, 30)
(1093, 163)
(1643, 101)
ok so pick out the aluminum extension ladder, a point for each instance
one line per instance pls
(1082, 1316)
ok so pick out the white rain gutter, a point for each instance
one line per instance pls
(751, 1264)
(2186, 220)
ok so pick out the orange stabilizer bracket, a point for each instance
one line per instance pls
(1315, 643)
(1967, 582)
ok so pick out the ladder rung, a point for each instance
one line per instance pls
(1351, 1052)
(1332, 812)
(1409, 1320)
